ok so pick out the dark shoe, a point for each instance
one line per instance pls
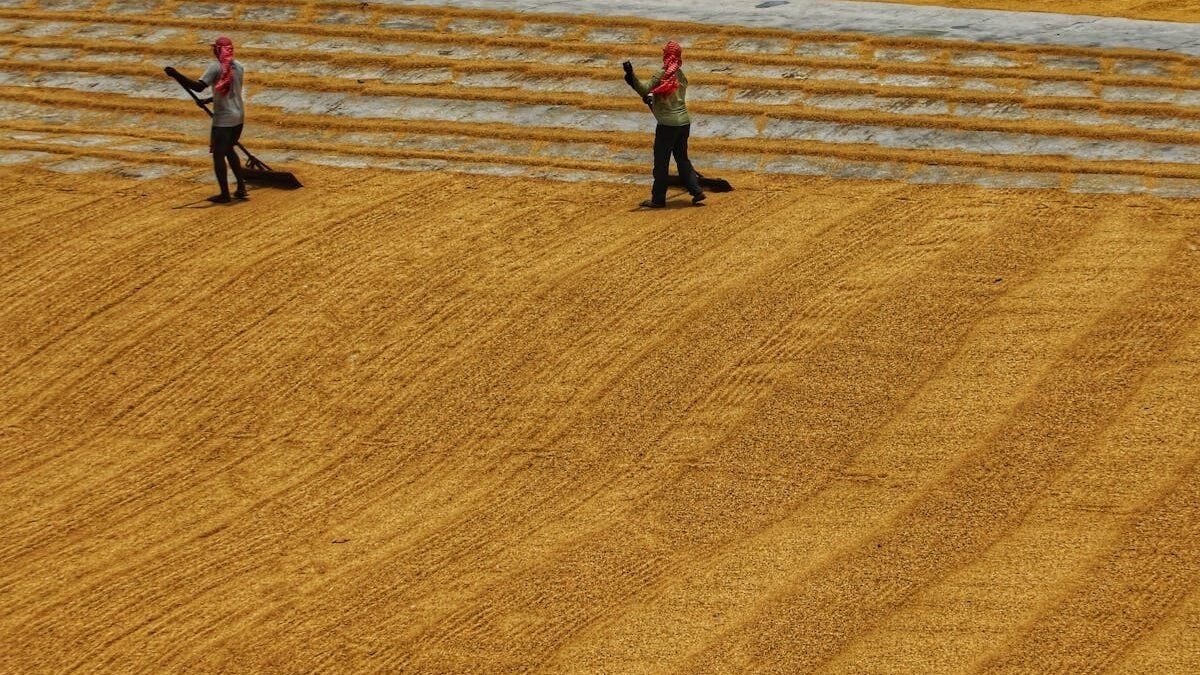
(220, 199)
(241, 193)
(698, 198)
(651, 204)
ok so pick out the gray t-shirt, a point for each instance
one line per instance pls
(228, 110)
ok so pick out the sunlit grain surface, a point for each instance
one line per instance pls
(444, 423)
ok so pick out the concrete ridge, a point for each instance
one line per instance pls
(72, 151)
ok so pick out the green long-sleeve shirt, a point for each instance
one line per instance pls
(670, 110)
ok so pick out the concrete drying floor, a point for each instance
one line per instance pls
(1060, 22)
(403, 87)
(1155, 10)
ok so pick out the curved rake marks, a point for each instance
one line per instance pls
(988, 493)
(691, 514)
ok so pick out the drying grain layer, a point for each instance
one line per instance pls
(1158, 10)
(449, 423)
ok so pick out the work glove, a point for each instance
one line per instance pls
(629, 77)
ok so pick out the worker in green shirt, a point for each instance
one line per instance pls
(666, 94)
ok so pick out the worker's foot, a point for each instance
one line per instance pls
(651, 204)
(220, 199)
(698, 198)
(241, 193)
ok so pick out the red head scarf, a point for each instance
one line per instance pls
(223, 48)
(672, 62)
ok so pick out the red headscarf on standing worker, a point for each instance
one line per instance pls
(224, 49)
(672, 62)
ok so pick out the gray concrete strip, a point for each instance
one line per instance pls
(1101, 184)
(14, 157)
(345, 105)
(914, 105)
(957, 175)
(313, 65)
(67, 5)
(1176, 188)
(980, 142)
(789, 165)
(146, 171)
(132, 6)
(276, 14)
(204, 10)
(451, 53)
(455, 52)
(46, 29)
(975, 25)
(35, 54)
(82, 165)
(84, 140)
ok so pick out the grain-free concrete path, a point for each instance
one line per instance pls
(877, 18)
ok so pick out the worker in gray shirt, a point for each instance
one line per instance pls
(225, 78)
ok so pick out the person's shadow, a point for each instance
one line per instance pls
(205, 204)
(673, 204)
(200, 204)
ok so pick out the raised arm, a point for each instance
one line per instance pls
(643, 90)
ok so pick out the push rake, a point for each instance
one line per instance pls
(255, 172)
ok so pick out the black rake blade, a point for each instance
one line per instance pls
(275, 179)
(715, 184)
(710, 184)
